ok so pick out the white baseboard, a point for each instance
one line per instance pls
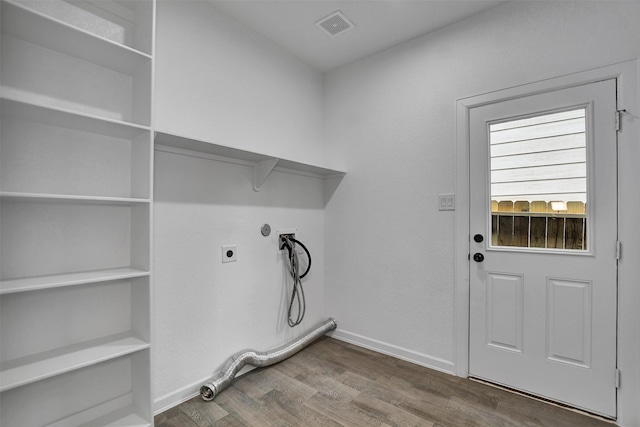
(181, 395)
(169, 400)
(421, 359)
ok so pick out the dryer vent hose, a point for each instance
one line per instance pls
(260, 359)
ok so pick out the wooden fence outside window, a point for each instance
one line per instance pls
(536, 225)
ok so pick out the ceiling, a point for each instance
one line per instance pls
(379, 24)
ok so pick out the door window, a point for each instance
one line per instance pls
(538, 173)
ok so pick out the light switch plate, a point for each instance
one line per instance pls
(446, 202)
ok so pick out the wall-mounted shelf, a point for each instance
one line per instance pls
(66, 118)
(34, 368)
(263, 164)
(71, 279)
(8, 195)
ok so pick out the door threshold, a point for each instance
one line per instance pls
(545, 400)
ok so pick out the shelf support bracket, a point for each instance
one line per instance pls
(261, 172)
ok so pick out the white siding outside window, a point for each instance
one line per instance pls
(540, 158)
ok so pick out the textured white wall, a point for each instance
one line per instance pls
(390, 122)
(206, 310)
(220, 82)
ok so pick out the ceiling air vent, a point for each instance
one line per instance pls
(335, 24)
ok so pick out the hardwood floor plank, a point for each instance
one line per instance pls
(471, 410)
(295, 412)
(251, 386)
(395, 389)
(306, 362)
(247, 410)
(297, 390)
(228, 421)
(164, 416)
(341, 412)
(203, 413)
(428, 407)
(333, 383)
(329, 387)
(408, 375)
(179, 419)
(388, 413)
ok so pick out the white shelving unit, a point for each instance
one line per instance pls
(76, 153)
(263, 164)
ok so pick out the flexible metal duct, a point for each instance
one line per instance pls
(260, 359)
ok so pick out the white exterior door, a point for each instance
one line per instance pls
(543, 222)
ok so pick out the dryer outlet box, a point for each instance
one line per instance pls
(229, 253)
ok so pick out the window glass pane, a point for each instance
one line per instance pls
(539, 181)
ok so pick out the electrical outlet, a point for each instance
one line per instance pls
(229, 253)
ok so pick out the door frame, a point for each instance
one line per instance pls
(628, 339)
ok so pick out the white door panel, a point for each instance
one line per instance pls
(543, 319)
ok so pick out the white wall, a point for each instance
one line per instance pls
(220, 82)
(205, 310)
(390, 122)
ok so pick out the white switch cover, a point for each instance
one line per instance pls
(229, 253)
(446, 202)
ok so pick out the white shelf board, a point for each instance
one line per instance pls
(113, 412)
(27, 370)
(263, 163)
(69, 119)
(122, 418)
(72, 279)
(40, 197)
(34, 27)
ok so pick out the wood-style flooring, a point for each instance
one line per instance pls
(333, 383)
